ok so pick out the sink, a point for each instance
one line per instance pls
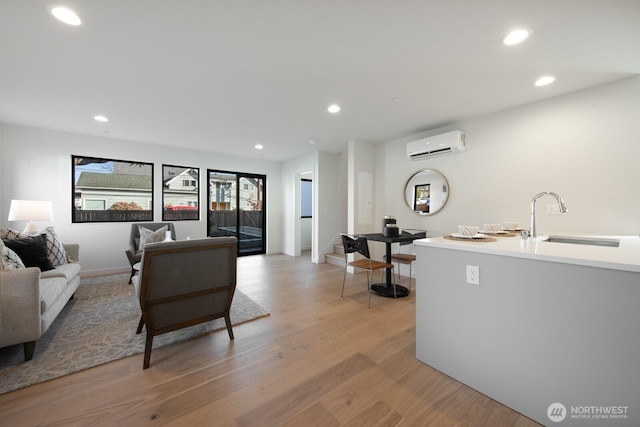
(592, 241)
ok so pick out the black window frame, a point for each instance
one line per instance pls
(81, 215)
(180, 215)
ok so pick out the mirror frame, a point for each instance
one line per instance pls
(416, 181)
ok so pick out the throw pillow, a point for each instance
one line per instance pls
(32, 251)
(9, 234)
(9, 260)
(55, 249)
(150, 236)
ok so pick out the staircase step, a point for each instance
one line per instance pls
(335, 259)
(338, 249)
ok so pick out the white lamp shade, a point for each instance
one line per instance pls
(30, 210)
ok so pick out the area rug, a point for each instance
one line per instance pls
(98, 326)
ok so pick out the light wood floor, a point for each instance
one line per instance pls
(317, 360)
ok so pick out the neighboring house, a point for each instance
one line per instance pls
(180, 188)
(223, 189)
(99, 191)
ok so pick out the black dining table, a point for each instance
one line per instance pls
(386, 289)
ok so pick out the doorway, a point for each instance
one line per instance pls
(306, 214)
(237, 206)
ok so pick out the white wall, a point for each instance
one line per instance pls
(37, 165)
(329, 202)
(584, 146)
(306, 229)
(361, 183)
(1, 157)
(291, 173)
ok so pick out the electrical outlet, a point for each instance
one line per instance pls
(473, 274)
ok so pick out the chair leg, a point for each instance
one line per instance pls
(133, 273)
(147, 350)
(369, 285)
(410, 277)
(344, 277)
(140, 325)
(227, 320)
(394, 287)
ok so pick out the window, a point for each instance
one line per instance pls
(306, 194)
(109, 190)
(94, 204)
(180, 193)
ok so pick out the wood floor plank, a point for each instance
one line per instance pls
(352, 399)
(378, 415)
(317, 360)
(316, 415)
(298, 398)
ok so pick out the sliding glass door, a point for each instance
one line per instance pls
(236, 208)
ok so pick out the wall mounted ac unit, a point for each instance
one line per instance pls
(437, 145)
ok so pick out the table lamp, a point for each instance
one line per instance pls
(30, 210)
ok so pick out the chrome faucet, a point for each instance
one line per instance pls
(563, 208)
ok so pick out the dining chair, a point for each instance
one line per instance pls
(406, 258)
(358, 244)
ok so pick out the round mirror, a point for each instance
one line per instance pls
(426, 192)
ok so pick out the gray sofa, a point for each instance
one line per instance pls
(30, 300)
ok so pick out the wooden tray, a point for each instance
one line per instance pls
(462, 239)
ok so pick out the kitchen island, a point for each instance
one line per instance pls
(550, 331)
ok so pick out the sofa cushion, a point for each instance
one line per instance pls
(50, 290)
(150, 236)
(55, 249)
(9, 260)
(68, 271)
(32, 251)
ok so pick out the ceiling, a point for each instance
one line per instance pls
(224, 75)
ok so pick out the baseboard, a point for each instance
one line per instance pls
(104, 272)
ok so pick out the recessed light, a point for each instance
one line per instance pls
(100, 118)
(66, 15)
(333, 108)
(258, 146)
(516, 36)
(544, 80)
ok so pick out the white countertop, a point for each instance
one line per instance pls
(625, 257)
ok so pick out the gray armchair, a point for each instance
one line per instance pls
(185, 283)
(133, 252)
